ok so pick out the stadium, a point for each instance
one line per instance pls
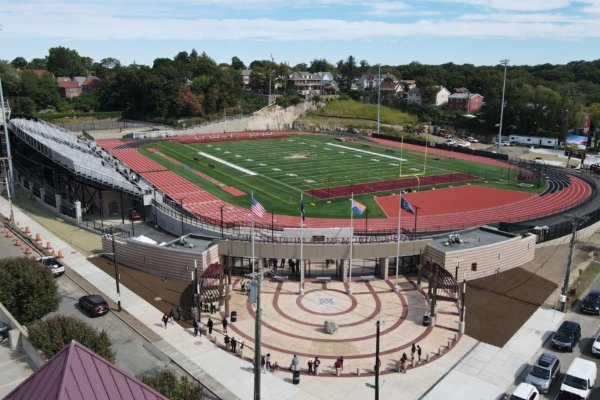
(351, 228)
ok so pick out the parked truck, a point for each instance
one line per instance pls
(579, 380)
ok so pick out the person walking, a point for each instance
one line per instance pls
(295, 363)
(268, 360)
(213, 308)
(171, 317)
(195, 325)
(316, 364)
(419, 352)
(243, 287)
(165, 319)
(341, 360)
(233, 344)
(413, 349)
(337, 366)
(263, 364)
(227, 342)
(310, 367)
(224, 323)
(179, 311)
(210, 326)
(242, 348)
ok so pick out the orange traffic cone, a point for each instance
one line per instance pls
(26, 230)
(17, 242)
(38, 238)
(60, 254)
(27, 250)
(48, 247)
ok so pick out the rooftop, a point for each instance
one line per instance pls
(470, 238)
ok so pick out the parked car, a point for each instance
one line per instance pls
(596, 346)
(591, 303)
(579, 380)
(94, 305)
(544, 372)
(53, 264)
(505, 143)
(525, 391)
(450, 142)
(464, 144)
(567, 336)
(471, 139)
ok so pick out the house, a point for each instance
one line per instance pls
(465, 102)
(391, 88)
(91, 85)
(40, 72)
(371, 81)
(408, 84)
(245, 77)
(76, 372)
(79, 80)
(68, 88)
(306, 83)
(441, 96)
(412, 96)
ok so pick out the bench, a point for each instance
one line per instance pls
(323, 279)
(366, 278)
(280, 278)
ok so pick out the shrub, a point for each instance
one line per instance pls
(52, 334)
(169, 385)
(28, 289)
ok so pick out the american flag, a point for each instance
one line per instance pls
(257, 208)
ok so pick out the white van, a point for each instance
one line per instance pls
(579, 379)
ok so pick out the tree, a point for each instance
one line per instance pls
(19, 63)
(348, 71)
(320, 65)
(236, 63)
(42, 90)
(52, 334)
(28, 289)
(65, 62)
(169, 385)
(190, 103)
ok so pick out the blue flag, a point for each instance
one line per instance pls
(358, 208)
(405, 205)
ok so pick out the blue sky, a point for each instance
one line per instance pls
(479, 32)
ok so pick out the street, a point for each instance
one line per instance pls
(131, 349)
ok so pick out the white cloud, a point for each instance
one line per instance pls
(514, 5)
(387, 8)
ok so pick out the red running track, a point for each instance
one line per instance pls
(486, 209)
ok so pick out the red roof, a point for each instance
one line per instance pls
(67, 84)
(77, 373)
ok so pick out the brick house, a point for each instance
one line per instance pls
(68, 88)
(465, 102)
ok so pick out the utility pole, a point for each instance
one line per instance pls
(377, 362)
(575, 220)
(256, 284)
(505, 63)
(116, 265)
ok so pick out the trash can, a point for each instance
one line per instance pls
(426, 320)
(233, 316)
(296, 377)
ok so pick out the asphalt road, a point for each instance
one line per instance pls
(133, 352)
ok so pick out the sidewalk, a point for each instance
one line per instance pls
(485, 370)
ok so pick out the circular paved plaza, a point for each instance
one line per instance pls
(295, 325)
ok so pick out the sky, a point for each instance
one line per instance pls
(479, 32)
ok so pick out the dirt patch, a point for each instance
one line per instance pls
(497, 306)
(297, 155)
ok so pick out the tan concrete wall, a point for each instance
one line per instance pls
(490, 259)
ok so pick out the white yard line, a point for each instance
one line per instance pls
(220, 160)
(367, 152)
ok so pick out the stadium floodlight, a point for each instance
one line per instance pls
(505, 63)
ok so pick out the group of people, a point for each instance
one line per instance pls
(313, 365)
(231, 344)
(401, 364)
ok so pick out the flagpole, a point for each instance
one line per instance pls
(301, 289)
(252, 194)
(396, 286)
(351, 240)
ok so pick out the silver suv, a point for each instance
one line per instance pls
(544, 372)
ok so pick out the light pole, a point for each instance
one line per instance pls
(575, 220)
(377, 362)
(256, 284)
(8, 192)
(505, 63)
(115, 264)
(222, 235)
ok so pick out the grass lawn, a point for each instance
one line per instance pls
(278, 171)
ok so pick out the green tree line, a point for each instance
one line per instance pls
(542, 99)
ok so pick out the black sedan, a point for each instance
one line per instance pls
(94, 305)
(591, 303)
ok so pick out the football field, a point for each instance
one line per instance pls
(279, 171)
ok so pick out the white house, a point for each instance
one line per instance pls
(441, 97)
(412, 96)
